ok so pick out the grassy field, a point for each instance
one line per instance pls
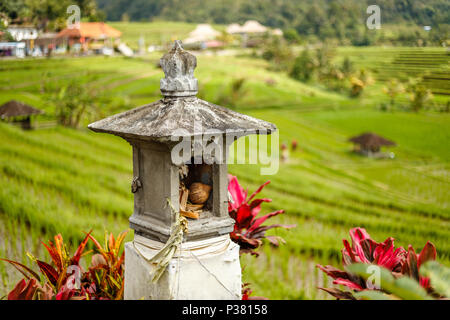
(68, 181)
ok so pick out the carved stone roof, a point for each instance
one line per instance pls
(187, 116)
(180, 112)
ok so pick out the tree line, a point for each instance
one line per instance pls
(320, 20)
(49, 15)
(341, 19)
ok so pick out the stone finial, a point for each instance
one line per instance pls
(178, 66)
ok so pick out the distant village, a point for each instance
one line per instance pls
(99, 38)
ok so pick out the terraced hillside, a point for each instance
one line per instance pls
(69, 181)
(431, 65)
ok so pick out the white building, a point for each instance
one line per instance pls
(12, 49)
(23, 33)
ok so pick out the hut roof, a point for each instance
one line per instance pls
(369, 140)
(253, 26)
(15, 108)
(94, 30)
(234, 28)
(203, 32)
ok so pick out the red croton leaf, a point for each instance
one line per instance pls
(339, 294)
(237, 193)
(410, 267)
(257, 222)
(24, 290)
(50, 272)
(23, 269)
(347, 254)
(364, 249)
(348, 283)
(248, 229)
(76, 258)
(428, 253)
(55, 255)
(65, 293)
(333, 272)
(258, 190)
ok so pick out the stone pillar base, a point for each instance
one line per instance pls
(208, 269)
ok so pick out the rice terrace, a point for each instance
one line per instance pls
(62, 178)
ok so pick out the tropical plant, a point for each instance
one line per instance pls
(76, 102)
(65, 279)
(107, 266)
(412, 265)
(392, 90)
(347, 66)
(291, 36)
(324, 56)
(248, 230)
(439, 277)
(334, 78)
(390, 287)
(31, 289)
(419, 95)
(404, 287)
(359, 82)
(278, 53)
(365, 250)
(230, 97)
(303, 67)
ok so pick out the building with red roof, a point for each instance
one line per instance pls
(91, 35)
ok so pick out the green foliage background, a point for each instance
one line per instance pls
(61, 180)
(321, 18)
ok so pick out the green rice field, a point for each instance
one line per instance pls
(61, 180)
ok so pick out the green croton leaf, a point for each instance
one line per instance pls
(372, 295)
(403, 288)
(439, 277)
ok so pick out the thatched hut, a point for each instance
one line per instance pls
(18, 113)
(204, 36)
(370, 143)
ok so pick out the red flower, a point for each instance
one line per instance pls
(364, 250)
(248, 230)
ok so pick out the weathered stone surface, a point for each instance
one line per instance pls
(214, 275)
(178, 66)
(162, 119)
(159, 181)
